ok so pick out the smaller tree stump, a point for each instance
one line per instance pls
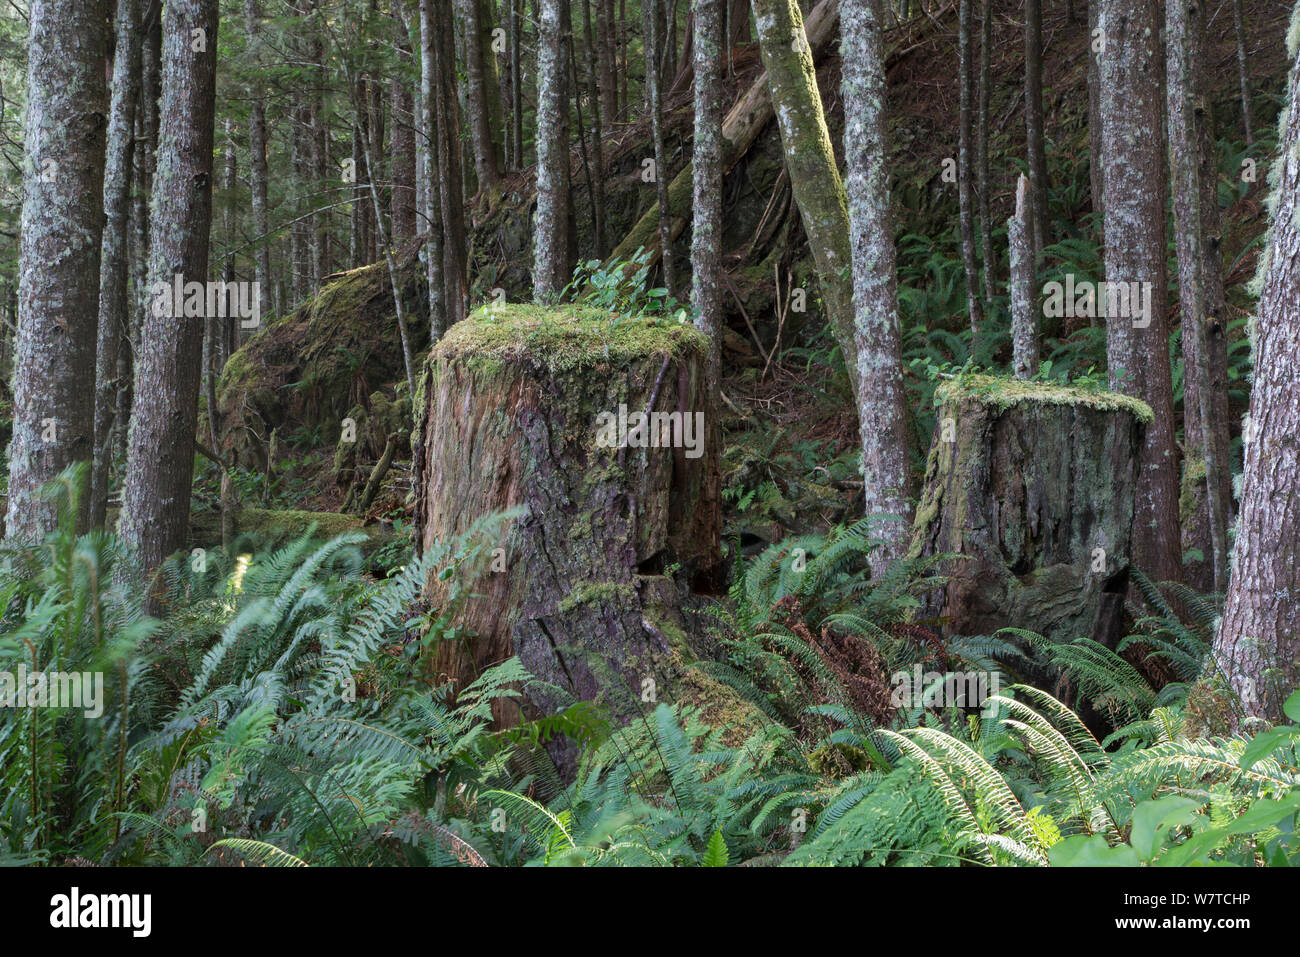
(522, 406)
(1031, 484)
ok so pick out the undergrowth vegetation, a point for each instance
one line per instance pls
(279, 713)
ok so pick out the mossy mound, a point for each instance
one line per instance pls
(303, 372)
(1003, 392)
(566, 338)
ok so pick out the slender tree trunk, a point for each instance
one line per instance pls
(480, 124)
(402, 198)
(605, 55)
(983, 180)
(1243, 77)
(58, 268)
(651, 23)
(1137, 338)
(965, 174)
(706, 223)
(516, 84)
(550, 255)
(1037, 153)
(450, 176)
(882, 408)
(1024, 314)
(1095, 159)
(322, 256)
(810, 160)
(432, 198)
(114, 266)
(1201, 460)
(1258, 645)
(597, 131)
(160, 460)
(257, 173)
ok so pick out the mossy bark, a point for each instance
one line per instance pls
(1043, 541)
(510, 419)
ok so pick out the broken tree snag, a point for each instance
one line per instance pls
(540, 408)
(1031, 484)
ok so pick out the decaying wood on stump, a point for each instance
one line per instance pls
(1043, 539)
(513, 405)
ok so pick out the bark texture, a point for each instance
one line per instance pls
(882, 404)
(1202, 463)
(1137, 353)
(160, 457)
(509, 418)
(114, 324)
(58, 270)
(550, 253)
(1024, 311)
(1027, 526)
(1259, 632)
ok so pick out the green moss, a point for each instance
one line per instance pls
(1005, 392)
(564, 338)
(599, 593)
(1193, 487)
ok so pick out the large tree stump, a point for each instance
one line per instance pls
(514, 401)
(1032, 486)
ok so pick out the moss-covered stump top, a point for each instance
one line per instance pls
(566, 338)
(1002, 392)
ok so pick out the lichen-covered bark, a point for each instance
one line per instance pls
(430, 194)
(1138, 356)
(965, 173)
(1186, 128)
(882, 408)
(706, 223)
(1258, 645)
(114, 258)
(982, 178)
(810, 160)
(160, 457)
(1024, 315)
(550, 252)
(513, 422)
(1025, 524)
(58, 268)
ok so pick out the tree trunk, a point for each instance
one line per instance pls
(1201, 463)
(1037, 153)
(550, 255)
(1024, 312)
(160, 460)
(1096, 163)
(402, 198)
(577, 586)
(257, 174)
(1043, 539)
(597, 133)
(432, 199)
(450, 176)
(652, 25)
(983, 183)
(480, 123)
(882, 404)
(114, 256)
(965, 174)
(1258, 645)
(58, 271)
(606, 58)
(1243, 77)
(810, 160)
(1137, 350)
